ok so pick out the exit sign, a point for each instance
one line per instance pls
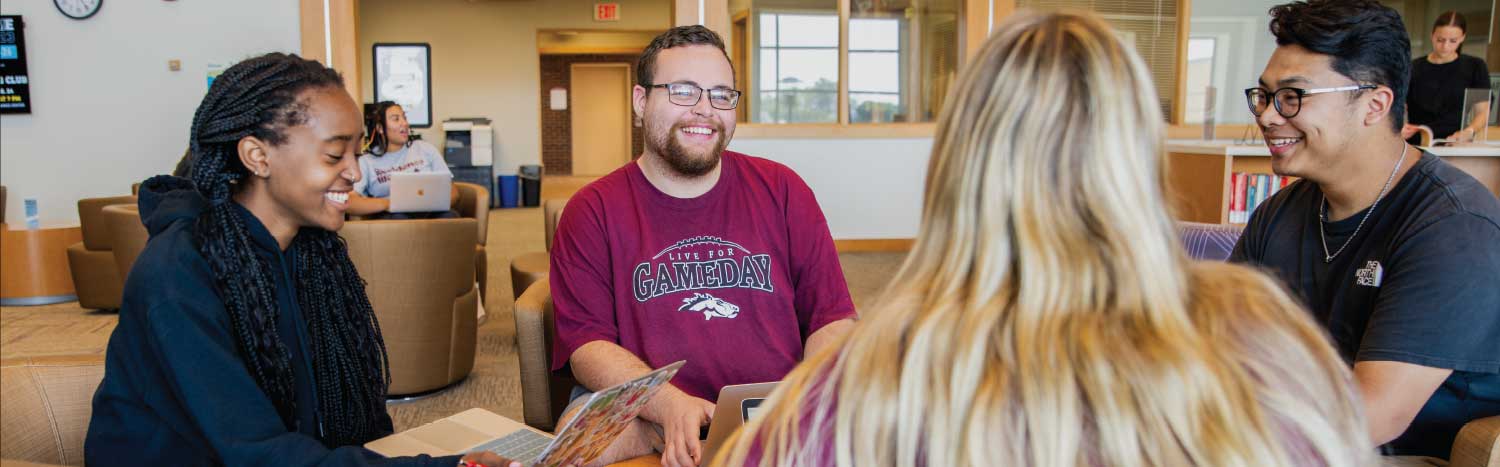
(606, 12)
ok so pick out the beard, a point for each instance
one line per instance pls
(686, 162)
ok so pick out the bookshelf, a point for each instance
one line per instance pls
(1200, 173)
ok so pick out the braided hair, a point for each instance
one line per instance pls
(262, 97)
(375, 120)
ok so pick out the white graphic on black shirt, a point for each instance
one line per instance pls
(701, 263)
(1370, 275)
(711, 306)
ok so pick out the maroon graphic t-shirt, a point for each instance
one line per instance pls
(732, 281)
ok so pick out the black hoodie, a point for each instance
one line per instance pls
(175, 390)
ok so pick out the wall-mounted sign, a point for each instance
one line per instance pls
(559, 98)
(403, 74)
(606, 12)
(15, 86)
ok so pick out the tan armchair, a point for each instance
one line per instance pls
(544, 393)
(48, 402)
(128, 234)
(1478, 444)
(527, 268)
(92, 262)
(474, 203)
(419, 275)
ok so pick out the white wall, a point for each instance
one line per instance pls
(484, 58)
(106, 112)
(868, 188)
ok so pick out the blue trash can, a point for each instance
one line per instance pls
(510, 190)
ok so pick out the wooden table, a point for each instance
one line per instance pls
(649, 460)
(34, 265)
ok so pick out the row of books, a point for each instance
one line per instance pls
(1249, 190)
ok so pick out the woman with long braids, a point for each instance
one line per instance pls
(390, 149)
(245, 335)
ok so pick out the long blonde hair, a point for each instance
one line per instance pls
(1047, 316)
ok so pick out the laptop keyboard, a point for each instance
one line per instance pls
(523, 445)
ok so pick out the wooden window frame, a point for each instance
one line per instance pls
(979, 18)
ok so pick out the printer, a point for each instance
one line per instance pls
(468, 142)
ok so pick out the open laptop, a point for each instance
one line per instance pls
(606, 414)
(737, 405)
(420, 192)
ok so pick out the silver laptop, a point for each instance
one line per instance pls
(737, 405)
(582, 439)
(420, 192)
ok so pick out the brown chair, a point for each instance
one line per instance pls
(1478, 444)
(527, 268)
(474, 203)
(420, 279)
(92, 262)
(128, 233)
(544, 393)
(48, 402)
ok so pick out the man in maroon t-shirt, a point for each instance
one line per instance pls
(691, 253)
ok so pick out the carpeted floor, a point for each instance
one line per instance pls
(493, 384)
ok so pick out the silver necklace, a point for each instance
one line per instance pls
(1323, 210)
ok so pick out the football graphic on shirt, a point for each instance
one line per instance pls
(711, 306)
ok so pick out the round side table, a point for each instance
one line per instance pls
(34, 265)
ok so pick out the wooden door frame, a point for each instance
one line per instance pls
(629, 145)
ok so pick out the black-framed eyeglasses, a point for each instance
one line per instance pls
(687, 95)
(1288, 101)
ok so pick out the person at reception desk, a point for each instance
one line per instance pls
(1047, 315)
(1438, 80)
(1396, 252)
(390, 150)
(245, 337)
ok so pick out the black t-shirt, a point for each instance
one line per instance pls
(1419, 283)
(1435, 96)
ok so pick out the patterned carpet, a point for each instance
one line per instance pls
(494, 383)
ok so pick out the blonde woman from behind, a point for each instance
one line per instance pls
(1046, 315)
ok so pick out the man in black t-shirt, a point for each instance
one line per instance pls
(1396, 252)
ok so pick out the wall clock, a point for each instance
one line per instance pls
(78, 9)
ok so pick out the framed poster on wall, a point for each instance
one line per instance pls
(403, 74)
(15, 85)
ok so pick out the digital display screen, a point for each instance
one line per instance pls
(749, 407)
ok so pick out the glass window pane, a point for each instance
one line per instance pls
(812, 106)
(798, 30)
(793, 63)
(874, 34)
(874, 108)
(917, 61)
(1200, 76)
(765, 60)
(767, 32)
(875, 71)
(808, 69)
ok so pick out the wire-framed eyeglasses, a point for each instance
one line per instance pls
(687, 95)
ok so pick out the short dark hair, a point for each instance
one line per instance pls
(675, 37)
(1367, 41)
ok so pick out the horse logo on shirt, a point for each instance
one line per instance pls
(711, 306)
